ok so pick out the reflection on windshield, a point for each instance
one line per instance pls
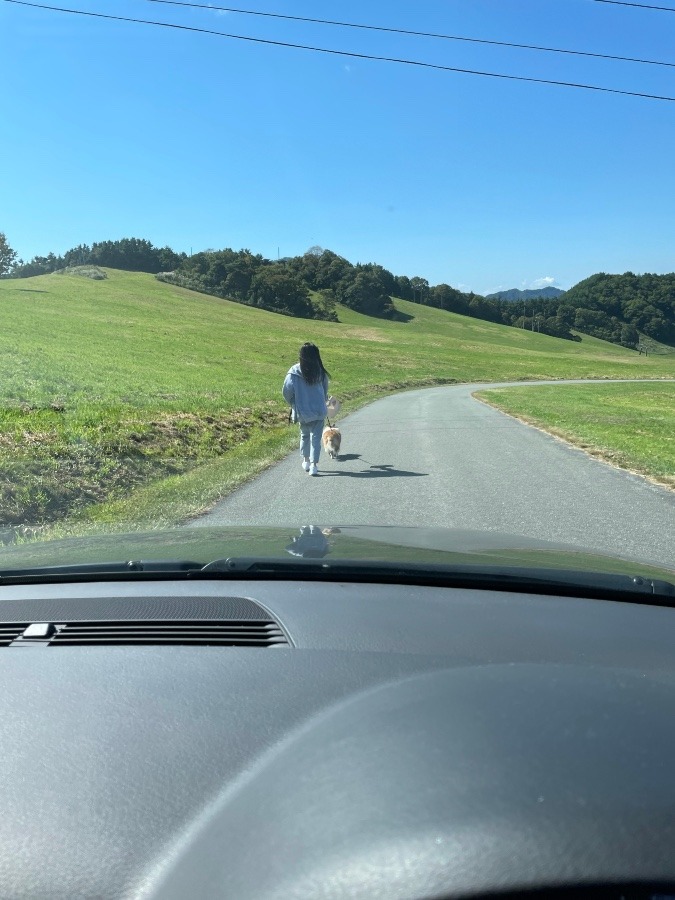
(312, 542)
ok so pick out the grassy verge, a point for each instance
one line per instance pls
(629, 425)
(118, 391)
(56, 460)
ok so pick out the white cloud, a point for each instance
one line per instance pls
(546, 281)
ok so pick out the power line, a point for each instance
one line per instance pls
(345, 53)
(427, 34)
(638, 5)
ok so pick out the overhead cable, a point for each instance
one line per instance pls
(346, 53)
(406, 31)
(638, 5)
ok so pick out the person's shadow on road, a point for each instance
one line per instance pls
(374, 471)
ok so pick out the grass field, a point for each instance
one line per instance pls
(629, 425)
(133, 400)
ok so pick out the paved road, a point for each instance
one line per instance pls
(438, 457)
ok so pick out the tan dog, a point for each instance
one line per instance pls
(331, 439)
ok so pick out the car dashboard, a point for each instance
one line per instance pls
(284, 738)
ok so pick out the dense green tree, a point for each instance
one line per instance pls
(556, 327)
(403, 288)
(645, 301)
(131, 254)
(7, 256)
(630, 336)
(324, 303)
(381, 276)
(168, 259)
(39, 265)
(364, 293)
(77, 256)
(420, 289)
(565, 315)
(275, 288)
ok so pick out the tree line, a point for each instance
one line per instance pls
(617, 307)
(614, 308)
(130, 254)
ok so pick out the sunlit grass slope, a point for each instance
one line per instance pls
(132, 338)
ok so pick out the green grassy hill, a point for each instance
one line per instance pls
(107, 385)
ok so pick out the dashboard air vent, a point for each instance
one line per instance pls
(207, 633)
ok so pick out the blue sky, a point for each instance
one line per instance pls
(113, 130)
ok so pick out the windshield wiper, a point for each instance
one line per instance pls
(565, 582)
(102, 571)
(554, 582)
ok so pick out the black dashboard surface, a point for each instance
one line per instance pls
(405, 742)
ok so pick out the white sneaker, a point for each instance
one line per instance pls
(314, 469)
(305, 465)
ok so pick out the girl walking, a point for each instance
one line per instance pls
(306, 390)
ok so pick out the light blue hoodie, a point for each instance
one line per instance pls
(308, 400)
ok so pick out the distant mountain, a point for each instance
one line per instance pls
(547, 293)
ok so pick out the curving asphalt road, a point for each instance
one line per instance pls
(438, 457)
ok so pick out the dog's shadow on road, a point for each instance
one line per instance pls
(374, 471)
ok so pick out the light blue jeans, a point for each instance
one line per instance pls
(310, 439)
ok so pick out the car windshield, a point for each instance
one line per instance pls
(379, 281)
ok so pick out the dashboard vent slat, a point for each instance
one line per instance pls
(9, 633)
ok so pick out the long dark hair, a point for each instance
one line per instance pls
(311, 367)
